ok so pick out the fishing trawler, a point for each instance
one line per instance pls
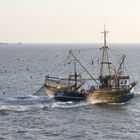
(111, 86)
(114, 85)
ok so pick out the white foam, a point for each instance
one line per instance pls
(27, 103)
(13, 108)
(118, 103)
(96, 102)
(70, 104)
(137, 92)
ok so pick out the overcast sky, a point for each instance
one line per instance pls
(69, 21)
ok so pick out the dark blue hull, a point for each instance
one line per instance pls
(124, 98)
(69, 96)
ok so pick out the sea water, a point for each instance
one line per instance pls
(24, 116)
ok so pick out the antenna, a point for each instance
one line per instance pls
(105, 35)
(105, 58)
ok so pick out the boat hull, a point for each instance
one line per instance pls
(124, 98)
(69, 96)
(110, 96)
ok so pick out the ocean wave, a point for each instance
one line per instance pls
(33, 103)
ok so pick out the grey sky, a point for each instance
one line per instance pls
(69, 21)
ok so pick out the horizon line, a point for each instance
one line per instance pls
(20, 43)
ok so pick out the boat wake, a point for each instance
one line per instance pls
(70, 104)
(137, 92)
(34, 103)
(27, 103)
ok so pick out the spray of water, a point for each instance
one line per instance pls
(43, 102)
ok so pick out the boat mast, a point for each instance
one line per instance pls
(75, 58)
(105, 58)
(75, 75)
